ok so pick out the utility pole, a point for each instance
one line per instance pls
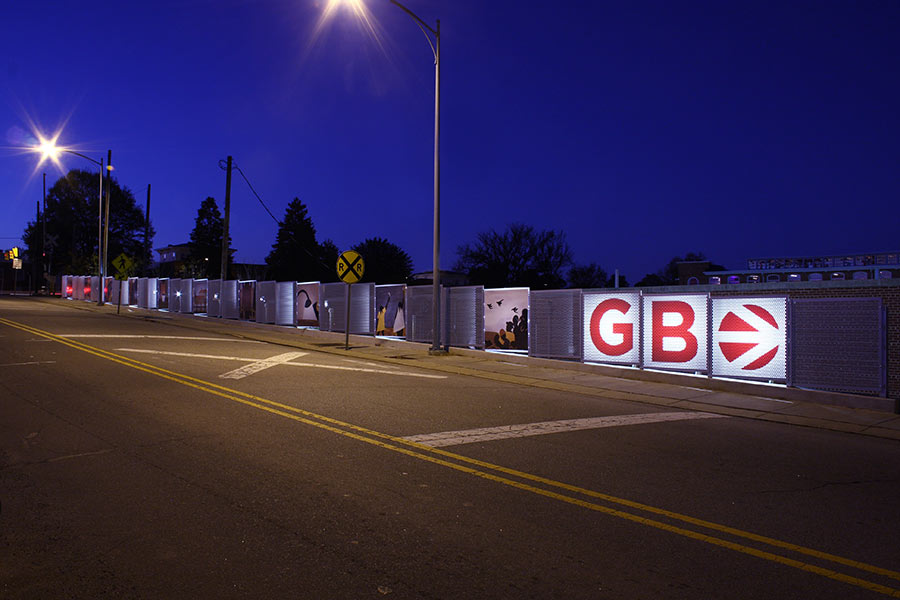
(148, 252)
(223, 274)
(106, 230)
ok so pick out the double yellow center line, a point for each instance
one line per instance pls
(765, 548)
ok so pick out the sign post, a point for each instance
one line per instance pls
(124, 265)
(350, 269)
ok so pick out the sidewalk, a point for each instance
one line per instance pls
(824, 410)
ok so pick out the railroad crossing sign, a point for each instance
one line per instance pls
(350, 266)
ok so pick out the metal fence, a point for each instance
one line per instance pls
(554, 324)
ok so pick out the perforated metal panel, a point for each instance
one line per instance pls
(132, 291)
(162, 293)
(200, 295)
(838, 344)
(463, 316)
(418, 313)
(113, 289)
(247, 300)
(125, 290)
(230, 303)
(285, 302)
(749, 338)
(265, 302)
(142, 292)
(175, 295)
(78, 287)
(332, 313)
(95, 289)
(214, 298)
(187, 295)
(152, 294)
(554, 324)
(64, 286)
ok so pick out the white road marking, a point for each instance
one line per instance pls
(261, 365)
(33, 362)
(292, 364)
(156, 337)
(485, 434)
(369, 364)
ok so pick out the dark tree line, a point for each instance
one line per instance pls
(72, 234)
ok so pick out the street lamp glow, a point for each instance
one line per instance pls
(48, 150)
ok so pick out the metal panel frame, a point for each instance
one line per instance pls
(214, 298)
(418, 313)
(230, 299)
(880, 388)
(162, 293)
(645, 298)
(200, 296)
(308, 289)
(463, 316)
(638, 326)
(286, 303)
(543, 341)
(265, 302)
(332, 315)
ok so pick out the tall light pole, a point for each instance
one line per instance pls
(436, 262)
(49, 149)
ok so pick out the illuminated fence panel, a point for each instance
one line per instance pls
(612, 327)
(308, 306)
(554, 324)
(265, 302)
(390, 311)
(114, 290)
(64, 283)
(95, 289)
(152, 292)
(142, 292)
(230, 302)
(419, 324)
(162, 293)
(749, 338)
(214, 298)
(175, 294)
(78, 287)
(200, 295)
(187, 295)
(674, 332)
(132, 291)
(463, 316)
(285, 302)
(838, 344)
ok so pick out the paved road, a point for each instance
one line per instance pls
(141, 459)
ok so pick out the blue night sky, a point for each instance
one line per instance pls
(643, 130)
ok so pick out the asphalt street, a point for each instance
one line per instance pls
(142, 459)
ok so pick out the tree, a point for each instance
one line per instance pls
(72, 227)
(587, 276)
(328, 255)
(206, 241)
(385, 262)
(295, 255)
(520, 256)
(668, 275)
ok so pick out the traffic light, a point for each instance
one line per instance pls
(15, 252)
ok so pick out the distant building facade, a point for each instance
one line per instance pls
(844, 267)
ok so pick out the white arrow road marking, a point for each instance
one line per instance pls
(292, 364)
(486, 434)
(261, 365)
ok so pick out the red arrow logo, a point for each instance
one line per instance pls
(740, 328)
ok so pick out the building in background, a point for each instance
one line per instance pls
(844, 267)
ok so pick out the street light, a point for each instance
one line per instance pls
(49, 150)
(357, 7)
